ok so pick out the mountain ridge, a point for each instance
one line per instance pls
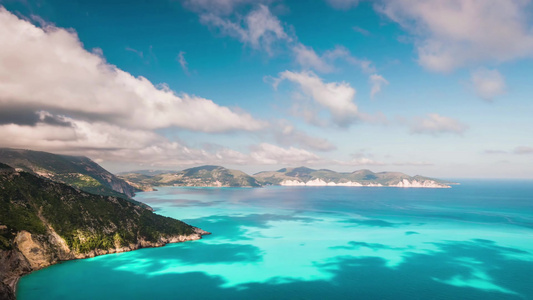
(78, 171)
(206, 176)
(302, 176)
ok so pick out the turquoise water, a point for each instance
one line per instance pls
(474, 241)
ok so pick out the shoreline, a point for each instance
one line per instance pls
(306, 184)
(28, 264)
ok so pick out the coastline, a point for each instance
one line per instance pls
(402, 184)
(34, 252)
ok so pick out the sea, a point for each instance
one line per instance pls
(471, 241)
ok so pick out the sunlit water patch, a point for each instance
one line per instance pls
(469, 242)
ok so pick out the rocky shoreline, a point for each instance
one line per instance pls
(34, 252)
(402, 184)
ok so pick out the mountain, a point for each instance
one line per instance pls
(220, 176)
(77, 171)
(215, 176)
(43, 222)
(309, 177)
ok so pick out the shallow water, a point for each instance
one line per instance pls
(473, 241)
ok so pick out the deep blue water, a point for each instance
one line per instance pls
(473, 241)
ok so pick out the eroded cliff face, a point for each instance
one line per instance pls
(36, 251)
(12, 266)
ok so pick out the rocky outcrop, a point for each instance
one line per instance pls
(33, 252)
(405, 183)
(12, 266)
(421, 184)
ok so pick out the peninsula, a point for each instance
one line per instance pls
(43, 222)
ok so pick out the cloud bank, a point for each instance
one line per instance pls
(453, 33)
(48, 69)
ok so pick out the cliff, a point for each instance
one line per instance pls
(303, 176)
(43, 222)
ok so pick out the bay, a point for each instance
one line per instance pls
(472, 241)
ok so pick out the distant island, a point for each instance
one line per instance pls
(217, 176)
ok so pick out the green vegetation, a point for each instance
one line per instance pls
(199, 176)
(219, 176)
(364, 177)
(77, 171)
(85, 221)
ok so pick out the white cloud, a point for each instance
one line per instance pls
(337, 98)
(436, 124)
(343, 4)
(307, 58)
(260, 29)
(453, 33)
(377, 82)
(183, 63)
(106, 142)
(268, 154)
(48, 69)
(340, 52)
(487, 83)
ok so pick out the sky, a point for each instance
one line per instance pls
(440, 88)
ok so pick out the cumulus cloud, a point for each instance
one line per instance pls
(48, 69)
(377, 82)
(436, 124)
(487, 83)
(107, 142)
(337, 98)
(451, 34)
(307, 58)
(341, 53)
(259, 29)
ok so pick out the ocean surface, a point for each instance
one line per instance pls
(473, 241)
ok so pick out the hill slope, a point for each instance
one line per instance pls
(309, 177)
(77, 171)
(43, 222)
(200, 176)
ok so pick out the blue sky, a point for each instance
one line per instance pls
(439, 88)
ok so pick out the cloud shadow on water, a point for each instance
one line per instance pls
(421, 276)
(373, 223)
(234, 227)
(352, 245)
